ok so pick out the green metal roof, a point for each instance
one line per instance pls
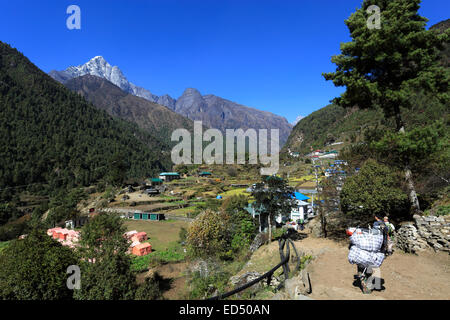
(169, 174)
(205, 172)
(156, 180)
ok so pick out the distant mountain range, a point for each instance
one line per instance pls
(215, 112)
(222, 114)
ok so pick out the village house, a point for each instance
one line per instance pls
(151, 192)
(169, 176)
(156, 182)
(140, 236)
(142, 249)
(300, 211)
(76, 222)
(148, 216)
(137, 247)
(129, 234)
(204, 174)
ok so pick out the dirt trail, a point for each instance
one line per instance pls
(406, 276)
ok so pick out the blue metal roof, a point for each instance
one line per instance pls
(300, 196)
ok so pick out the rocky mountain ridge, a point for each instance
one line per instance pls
(213, 111)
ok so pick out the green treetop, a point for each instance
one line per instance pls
(382, 67)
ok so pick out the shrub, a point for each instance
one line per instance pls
(208, 234)
(304, 260)
(374, 190)
(242, 226)
(231, 171)
(443, 210)
(182, 234)
(278, 233)
(203, 287)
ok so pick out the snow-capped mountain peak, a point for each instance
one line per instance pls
(99, 67)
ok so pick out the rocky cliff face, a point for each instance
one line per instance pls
(222, 114)
(167, 101)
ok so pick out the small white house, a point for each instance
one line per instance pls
(299, 212)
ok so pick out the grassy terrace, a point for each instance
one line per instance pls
(234, 192)
(182, 211)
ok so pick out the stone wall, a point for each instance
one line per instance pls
(425, 232)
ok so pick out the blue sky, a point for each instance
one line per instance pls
(264, 54)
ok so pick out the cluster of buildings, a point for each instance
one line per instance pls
(71, 238)
(336, 169)
(138, 247)
(66, 237)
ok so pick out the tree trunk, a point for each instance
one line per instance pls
(270, 228)
(414, 201)
(323, 222)
(260, 228)
(412, 191)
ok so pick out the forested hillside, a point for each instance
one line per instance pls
(53, 138)
(334, 123)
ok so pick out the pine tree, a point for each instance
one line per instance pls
(382, 67)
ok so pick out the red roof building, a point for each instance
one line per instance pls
(140, 236)
(142, 249)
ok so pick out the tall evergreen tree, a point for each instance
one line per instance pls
(105, 268)
(381, 67)
(273, 197)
